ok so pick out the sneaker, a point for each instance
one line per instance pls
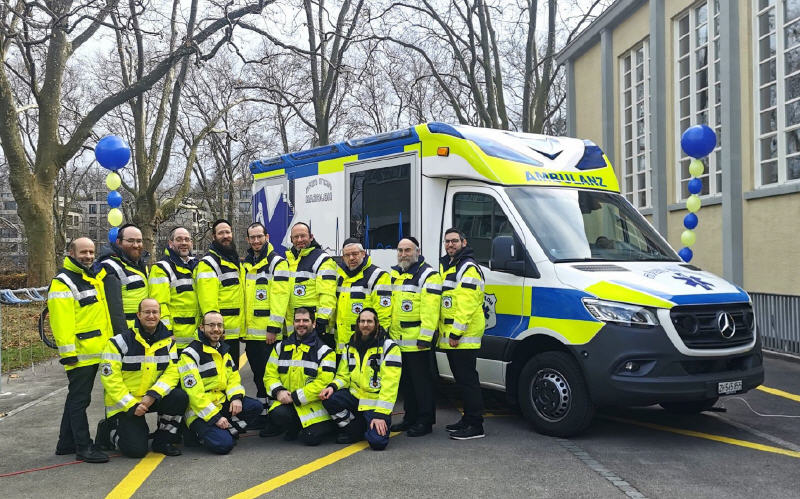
(166, 448)
(404, 426)
(459, 425)
(91, 454)
(468, 433)
(419, 430)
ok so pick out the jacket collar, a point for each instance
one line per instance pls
(303, 252)
(228, 254)
(74, 265)
(463, 254)
(350, 273)
(114, 251)
(253, 258)
(222, 348)
(160, 333)
(375, 340)
(178, 261)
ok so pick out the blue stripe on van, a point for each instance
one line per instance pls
(692, 299)
(381, 152)
(559, 303)
(508, 326)
(302, 171)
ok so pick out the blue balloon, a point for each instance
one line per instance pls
(112, 152)
(698, 141)
(690, 221)
(685, 254)
(112, 234)
(114, 199)
(695, 186)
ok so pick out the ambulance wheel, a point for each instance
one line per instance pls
(553, 395)
(689, 407)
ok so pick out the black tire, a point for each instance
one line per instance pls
(553, 395)
(45, 333)
(689, 407)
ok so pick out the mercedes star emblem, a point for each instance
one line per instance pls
(726, 325)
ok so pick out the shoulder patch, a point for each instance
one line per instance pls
(385, 301)
(105, 369)
(189, 381)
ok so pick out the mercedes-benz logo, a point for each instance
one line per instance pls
(726, 325)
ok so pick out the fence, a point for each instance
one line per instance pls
(19, 333)
(778, 321)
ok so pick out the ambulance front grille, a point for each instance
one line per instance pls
(699, 325)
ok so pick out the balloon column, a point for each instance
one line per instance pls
(697, 141)
(113, 153)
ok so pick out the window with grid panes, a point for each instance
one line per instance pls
(777, 75)
(698, 90)
(635, 133)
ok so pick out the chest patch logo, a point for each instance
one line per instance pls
(299, 289)
(357, 307)
(385, 301)
(407, 306)
(189, 381)
(261, 294)
(374, 382)
(489, 301)
(447, 301)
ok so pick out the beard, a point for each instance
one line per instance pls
(406, 264)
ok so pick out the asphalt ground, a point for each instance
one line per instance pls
(646, 452)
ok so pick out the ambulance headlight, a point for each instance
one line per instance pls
(625, 314)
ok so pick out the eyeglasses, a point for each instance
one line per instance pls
(213, 325)
(452, 241)
(183, 239)
(133, 241)
(256, 237)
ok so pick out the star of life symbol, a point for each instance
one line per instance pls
(693, 281)
(407, 306)
(299, 290)
(261, 294)
(357, 307)
(385, 301)
(189, 381)
(105, 369)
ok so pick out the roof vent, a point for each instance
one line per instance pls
(600, 268)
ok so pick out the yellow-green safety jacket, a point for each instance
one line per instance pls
(133, 367)
(172, 285)
(210, 379)
(220, 288)
(132, 278)
(266, 294)
(303, 366)
(371, 371)
(462, 301)
(312, 283)
(366, 286)
(416, 299)
(78, 312)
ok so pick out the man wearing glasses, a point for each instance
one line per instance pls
(126, 260)
(218, 409)
(461, 325)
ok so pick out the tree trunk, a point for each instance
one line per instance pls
(36, 213)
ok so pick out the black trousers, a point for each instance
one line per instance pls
(462, 363)
(286, 418)
(416, 387)
(258, 352)
(131, 432)
(233, 345)
(74, 431)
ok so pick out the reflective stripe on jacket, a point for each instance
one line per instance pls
(416, 300)
(368, 286)
(266, 294)
(220, 288)
(133, 281)
(172, 285)
(312, 283)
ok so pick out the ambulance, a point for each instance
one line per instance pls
(586, 304)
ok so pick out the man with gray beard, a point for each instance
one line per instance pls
(416, 297)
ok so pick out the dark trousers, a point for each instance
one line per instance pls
(416, 387)
(258, 351)
(285, 418)
(74, 432)
(343, 408)
(131, 433)
(462, 364)
(233, 345)
(220, 441)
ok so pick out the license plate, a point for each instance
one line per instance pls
(728, 387)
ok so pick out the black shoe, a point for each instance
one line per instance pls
(259, 423)
(102, 438)
(345, 437)
(419, 430)
(404, 426)
(63, 451)
(269, 431)
(166, 448)
(190, 438)
(468, 433)
(91, 455)
(459, 425)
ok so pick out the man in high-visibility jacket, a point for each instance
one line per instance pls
(218, 409)
(139, 372)
(81, 325)
(125, 259)
(362, 395)
(416, 299)
(461, 327)
(360, 285)
(312, 281)
(172, 284)
(220, 285)
(265, 300)
(298, 369)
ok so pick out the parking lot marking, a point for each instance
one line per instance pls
(779, 393)
(242, 360)
(133, 480)
(709, 436)
(301, 471)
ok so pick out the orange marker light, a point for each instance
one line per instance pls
(443, 151)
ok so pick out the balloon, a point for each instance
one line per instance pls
(688, 238)
(690, 221)
(112, 152)
(693, 203)
(112, 234)
(695, 186)
(114, 199)
(696, 168)
(113, 181)
(685, 254)
(115, 217)
(698, 141)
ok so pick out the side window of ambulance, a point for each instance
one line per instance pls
(481, 219)
(380, 205)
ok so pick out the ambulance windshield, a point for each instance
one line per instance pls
(579, 225)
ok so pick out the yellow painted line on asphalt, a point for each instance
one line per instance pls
(242, 360)
(300, 472)
(131, 483)
(709, 436)
(779, 393)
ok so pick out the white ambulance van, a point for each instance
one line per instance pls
(586, 304)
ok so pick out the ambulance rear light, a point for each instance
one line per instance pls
(625, 314)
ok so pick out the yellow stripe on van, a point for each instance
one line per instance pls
(574, 331)
(511, 300)
(615, 292)
(335, 165)
(274, 173)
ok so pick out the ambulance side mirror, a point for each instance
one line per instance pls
(508, 256)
